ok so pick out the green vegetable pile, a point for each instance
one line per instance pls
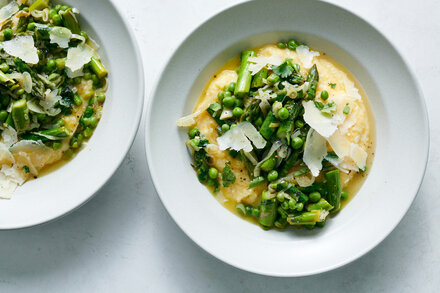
(22, 109)
(279, 120)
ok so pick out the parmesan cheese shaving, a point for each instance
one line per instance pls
(5, 155)
(359, 156)
(78, 56)
(260, 62)
(315, 150)
(306, 55)
(22, 47)
(7, 11)
(9, 136)
(61, 36)
(50, 99)
(324, 125)
(239, 138)
(189, 120)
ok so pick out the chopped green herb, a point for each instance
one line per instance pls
(26, 169)
(228, 176)
(326, 109)
(346, 109)
(332, 85)
(284, 70)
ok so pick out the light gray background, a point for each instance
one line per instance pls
(124, 240)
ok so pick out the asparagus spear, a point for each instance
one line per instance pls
(257, 80)
(39, 5)
(268, 210)
(322, 204)
(295, 191)
(70, 21)
(20, 115)
(286, 127)
(334, 189)
(257, 181)
(252, 111)
(306, 218)
(244, 76)
(284, 170)
(6, 79)
(265, 130)
(98, 68)
(312, 78)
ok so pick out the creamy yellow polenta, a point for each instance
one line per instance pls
(358, 126)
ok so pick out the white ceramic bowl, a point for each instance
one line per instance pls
(61, 191)
(402, 137)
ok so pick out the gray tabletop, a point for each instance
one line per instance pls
(124, 239)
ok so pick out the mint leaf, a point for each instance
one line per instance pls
(332, 85)
(228, 176)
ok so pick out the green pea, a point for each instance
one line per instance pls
(51, 64)
(231, 87)
(232, 126)
(220, 95)
(88, 76)
(273, 175)
(228, 101)
(314, 196)
(344, 195)
(87, 132)
(237, 112)
(292, 45)
(85, 36)
(60, 122)
(193, 132)
(285, 205)
(64, 7)
(3, 115)
(60, 63)
(77, 80)
(281, 45)
(299, 206)
(88, 112)
(19, 92)
(95, 79)
(57, 7)
(52, 13)
(57, 20)
(93, 122)
(248, 210)
(299, 124)
(100, 98)
(56, 145)
(280, 196)
(283, 113)
(91, 101)
(320, 224)
(292, 203)
(269, 164)
(213, 173)
(7, 33)
(4, 67)
(256, 212)
(324, 95)
(31, 26)
(297, 142)
(225, 127)
(273, 79)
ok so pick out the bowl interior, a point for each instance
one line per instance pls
(397, 106)
(66, 188)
